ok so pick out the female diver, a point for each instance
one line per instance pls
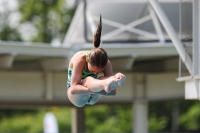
(84, 85)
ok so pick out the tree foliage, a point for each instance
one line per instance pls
(116, 118)
(190, 120)
(36, 20)
(30, 121)
(8, 28)
(50, 18)
(104, 118)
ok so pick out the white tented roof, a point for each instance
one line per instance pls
(126, 21)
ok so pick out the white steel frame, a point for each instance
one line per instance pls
(196, 38)
(172, 34)
(129, 27)
(192, 83)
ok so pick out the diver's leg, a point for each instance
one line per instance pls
(96, 85)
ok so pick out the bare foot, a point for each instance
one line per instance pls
(110, 84)
(122, 81)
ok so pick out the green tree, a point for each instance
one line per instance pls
(190, 120)
(103, 118)
(50, 18)
(31, 121)
(160, 115)
(8, 30)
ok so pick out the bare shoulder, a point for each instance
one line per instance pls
(79, 55)
(77, 58)
(108, 71)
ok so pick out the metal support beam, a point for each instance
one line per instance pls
(192, 86)
(172, 34)
(196, 44)
(78, 120)
(157, 26)
(129, 27)
(140, 105)
(140, 116)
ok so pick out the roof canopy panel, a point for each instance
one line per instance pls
(128, 21)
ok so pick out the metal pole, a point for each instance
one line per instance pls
(140, 115)
(78, 120)
(172, 34)
(196, 43)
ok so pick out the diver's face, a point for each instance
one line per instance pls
(94, 69)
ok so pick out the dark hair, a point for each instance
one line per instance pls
(97, 34)
(98, 56)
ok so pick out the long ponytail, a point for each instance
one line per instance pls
(98, 56)
(97, 34)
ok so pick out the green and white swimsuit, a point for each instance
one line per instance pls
(84, 75)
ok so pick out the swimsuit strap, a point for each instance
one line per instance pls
(86, 54)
